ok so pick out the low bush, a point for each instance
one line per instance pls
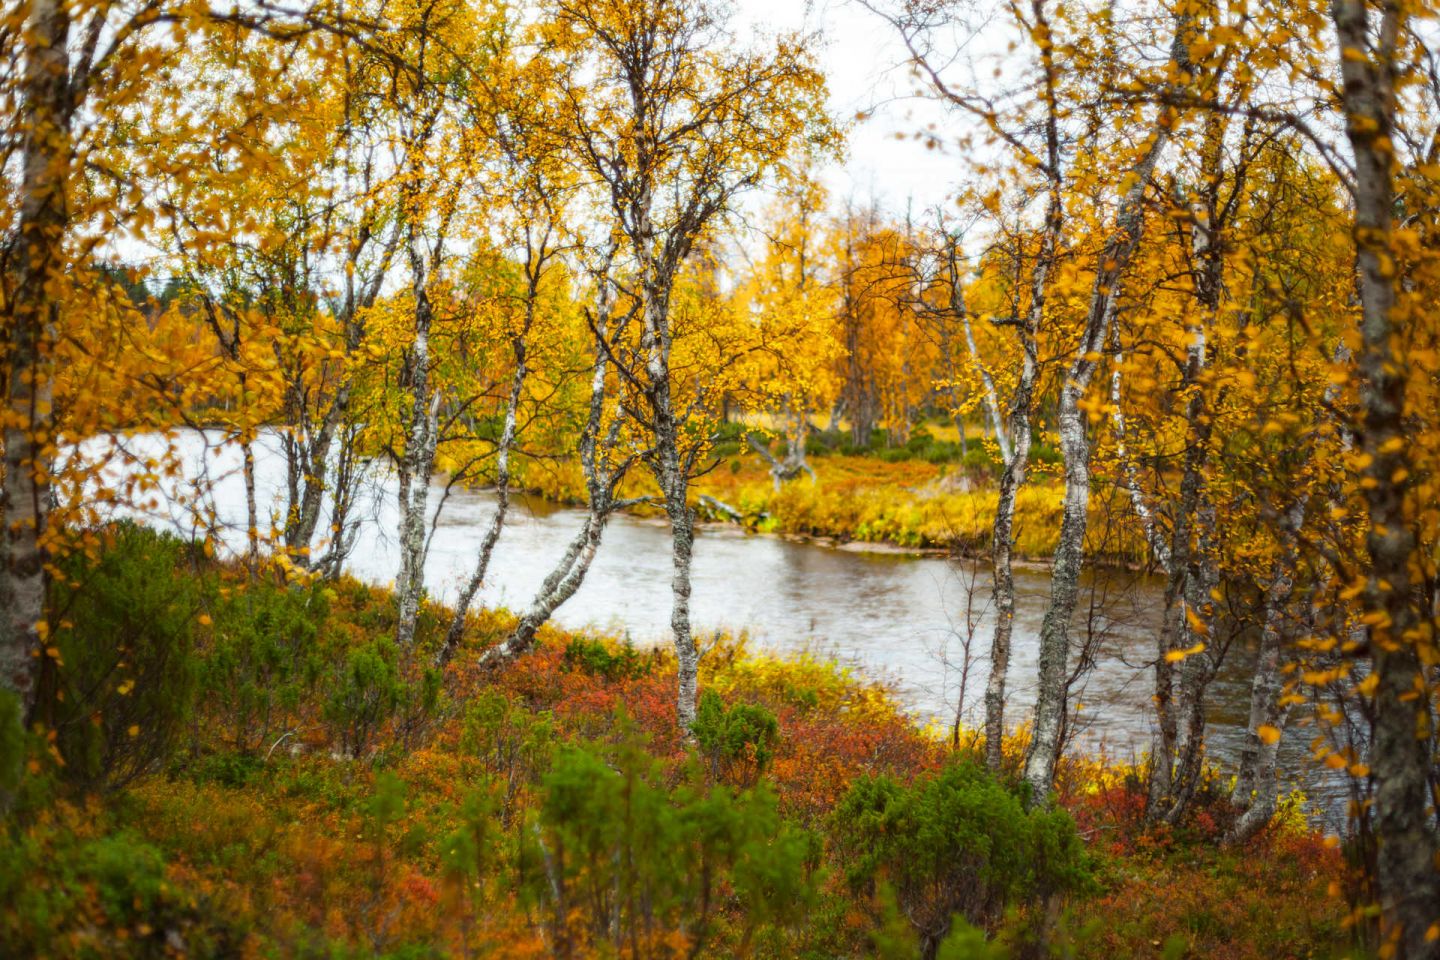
(119, 681)
(955, 843)
(738, 742)
(262, 658)
(513, 744)
(365, 692)
(599, 659)
(622, 862)
(71, 894)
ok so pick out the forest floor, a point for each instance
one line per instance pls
(323, 796)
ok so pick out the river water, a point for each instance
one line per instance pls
(901, 619)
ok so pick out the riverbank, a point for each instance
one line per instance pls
(285, 783)
(906, 505)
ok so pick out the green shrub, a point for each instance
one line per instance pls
(365, 692)
(262, 658)
(469, 854)
(514, 744)
(955, 843)
(939, 453)
(68, 896)
(738, 742)
(979, 458)
(624, 860)
(920, 439)
(120, 686)
(596, 658)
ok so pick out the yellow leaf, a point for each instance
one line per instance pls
(134, 730)
(1268, 734)
(1198, 625)
(1175, 656)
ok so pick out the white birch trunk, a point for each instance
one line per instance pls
(497, 516)
(1014, 438)
(45, 159)
(418, 458)
(602, 477)
(1400, 758)
(1075, 448)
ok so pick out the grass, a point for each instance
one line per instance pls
(913, 504)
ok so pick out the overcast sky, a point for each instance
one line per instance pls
(864, 61)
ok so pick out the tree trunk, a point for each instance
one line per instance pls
(417, 460)
(1075, 448)
(559, 586)
(602, 478)
(1014, 438)
(687, 658)
(1012, 479)
(1409, 880)
(1256, 789)
(32, 313)
(992, 400)
(497, 517)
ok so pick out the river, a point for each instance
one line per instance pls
(900, 619)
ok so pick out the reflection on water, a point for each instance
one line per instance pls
(901, 619)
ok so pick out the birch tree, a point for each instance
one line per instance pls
(532, 192)
(439, 154)
(1110, 267)
(920, 25)
(1374, 42)
(608, 448)
(70, 71)
(672, 126)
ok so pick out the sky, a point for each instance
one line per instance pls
(865, 63)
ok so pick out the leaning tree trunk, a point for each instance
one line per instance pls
(558, 587)
(1256, 790)
(497, 517)
(992, 399)
(1075, 449)
(1408, 873)
(30, 318)
(602, 477)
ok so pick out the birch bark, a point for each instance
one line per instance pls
(418, 457)
(603, 470)
(1075, 448)
(1409, 880)
(46, 151)
(1016, 434)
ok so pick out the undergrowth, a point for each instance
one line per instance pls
(318, 793)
